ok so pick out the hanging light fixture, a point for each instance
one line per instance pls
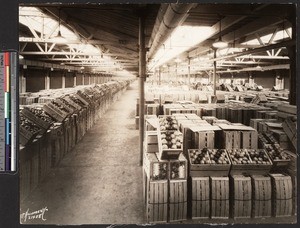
(220, 44)
(59, 38)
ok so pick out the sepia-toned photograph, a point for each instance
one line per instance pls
(171, 113)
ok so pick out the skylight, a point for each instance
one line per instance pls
(183, 38)
(280, 35)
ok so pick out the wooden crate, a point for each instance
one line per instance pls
(249, 169)
(220, 112)
(34, 172)
(66, 136)
(248, 114)
(249, 139)
(151, 122)
(157, 201)
(206, 170)
(203, 139)
(73, 130)
(177, 200)
(178, 168)
(262, 196)
(206, 111)
(151, 142)
(48, 145)
(57, 150)
(235, 115)
(169, 153)
(241, 196)
(44, 157)
(155, 169)
(290, 129)
(26, 137)
(231, 140)
(209, 119)
(25, 172)
(219, 197)
(291, 109)
(71, 109)
(71, 102)
(83, 97)
(282, 195)
(187, 139)
(32, 117)
(200, 197)
(256, 122)
(55, 112)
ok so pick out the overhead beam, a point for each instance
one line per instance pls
(79, 58)
(74, 53)
(251, 28)
(92, 41)
(266, 68)
(256, 50)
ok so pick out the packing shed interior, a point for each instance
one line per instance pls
(159, 113)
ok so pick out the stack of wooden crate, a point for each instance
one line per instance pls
(241, 196)
(199, 197)
(219, 197)
(262, 196)
(282, 195)
(165, 180)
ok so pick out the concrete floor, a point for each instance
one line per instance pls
(100, 181)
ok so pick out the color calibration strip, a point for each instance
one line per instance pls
(8, 63)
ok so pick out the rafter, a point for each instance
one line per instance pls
(72, 53)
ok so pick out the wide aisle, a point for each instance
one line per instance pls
(100, 181)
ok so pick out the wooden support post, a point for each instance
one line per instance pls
(75, 79)
(159, 76)
(47, 80)
(142, 75)
(22, 80)
(215, 71)
(292, 55)
(63, 80)
(176, 73)
(189, 73)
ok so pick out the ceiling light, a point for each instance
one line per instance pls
(82, 68)
(58, 38)
(21, 57)
(220, 44)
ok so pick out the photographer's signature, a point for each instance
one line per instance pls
(39, 214)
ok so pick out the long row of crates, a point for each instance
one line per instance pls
(42, 151)
(238, 196)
